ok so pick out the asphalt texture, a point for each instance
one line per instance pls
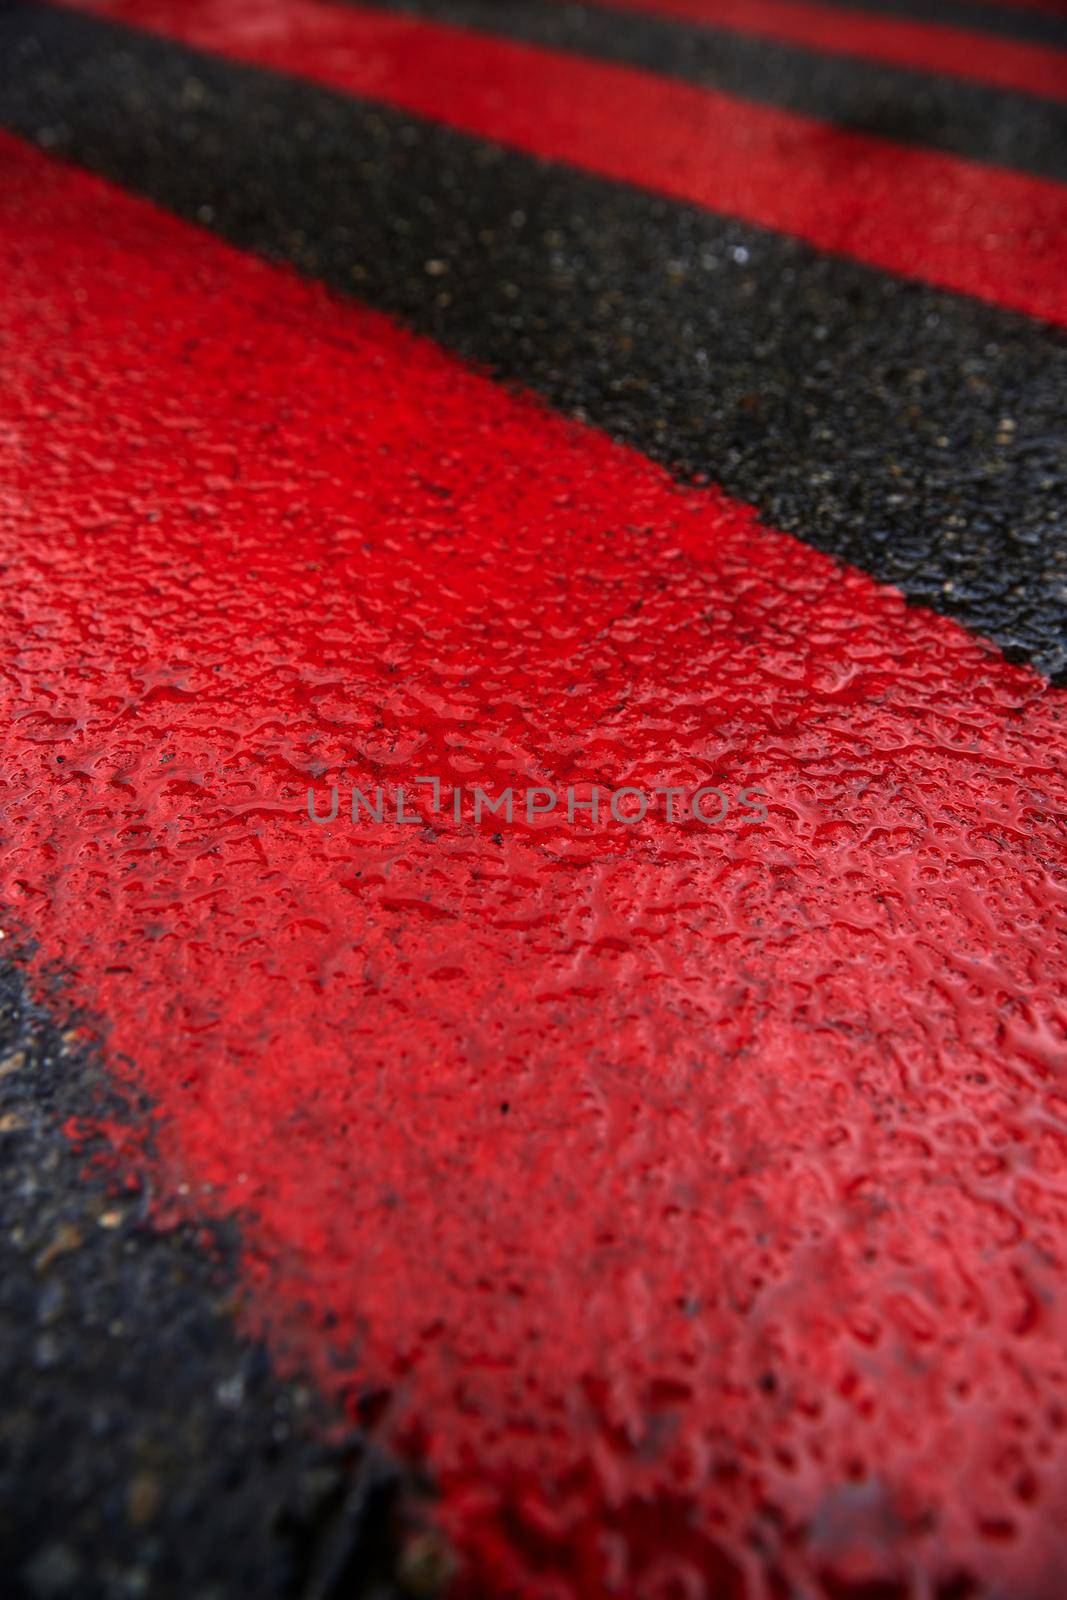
(146, 1447)
(973, 120)
(1035, 24)
(910, 431)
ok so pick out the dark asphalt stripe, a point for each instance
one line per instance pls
(146, 1446)
(912, 432)
(1039, 27)
(971, 120)
(931, 47)
(961, 225)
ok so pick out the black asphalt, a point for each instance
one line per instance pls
(1034, 25)
(146, 1447)
(973, 120)
(913, 432)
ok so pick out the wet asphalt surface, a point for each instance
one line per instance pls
(146, 1446)
(911, 431)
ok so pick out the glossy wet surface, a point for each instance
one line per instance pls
(688, 1198)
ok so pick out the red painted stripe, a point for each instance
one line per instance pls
(962, 225)
(666, 1187)
(932, 46)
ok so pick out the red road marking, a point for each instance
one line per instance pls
(771, 1231)
(932, 46)
(960, 224)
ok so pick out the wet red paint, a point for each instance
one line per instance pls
(694, 1200)
(960, 224)
(930, 46)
